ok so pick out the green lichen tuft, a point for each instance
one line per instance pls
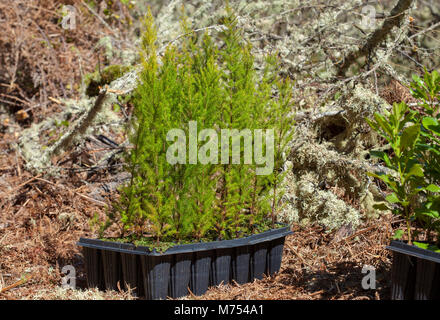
(93, 81)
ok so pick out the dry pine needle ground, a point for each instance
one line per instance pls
(42, 218)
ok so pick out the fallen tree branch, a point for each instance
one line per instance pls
(378, 37)
(16, 284)
(121, 86)
(381, 63)
(82, 125)
(300, 116)
(435, 25)
(357, 234)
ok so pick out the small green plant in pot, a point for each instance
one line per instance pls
(428, 214)
(413, 177)
(208, 137)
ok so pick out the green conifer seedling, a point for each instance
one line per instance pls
(200, 88)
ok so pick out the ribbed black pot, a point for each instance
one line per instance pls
(415, 272)
(181, 268)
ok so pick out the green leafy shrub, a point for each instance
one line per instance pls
(414, 162)
(195, 87)
(428, 91)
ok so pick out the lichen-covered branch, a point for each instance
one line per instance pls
(123, 85)
(378, 36)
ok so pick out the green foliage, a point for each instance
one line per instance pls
(219, 89)
(414, 161)
(427, 246)
(427, 91)
(402, 130)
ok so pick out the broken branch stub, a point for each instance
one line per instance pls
(122, 86)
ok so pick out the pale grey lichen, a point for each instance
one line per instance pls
(327, 181)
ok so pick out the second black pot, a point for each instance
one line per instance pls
(415, 273)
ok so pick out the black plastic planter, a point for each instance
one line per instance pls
(132, 273)
(275, 255)
(156, 275)
(111, 261)
(200, 272)
(94, 270)
(180, 275)
(415, 273)
(240, 264)
(192, 266)
(221, 266)
(259, 260)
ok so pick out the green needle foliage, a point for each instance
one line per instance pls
(414, 163)
(218, 87)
